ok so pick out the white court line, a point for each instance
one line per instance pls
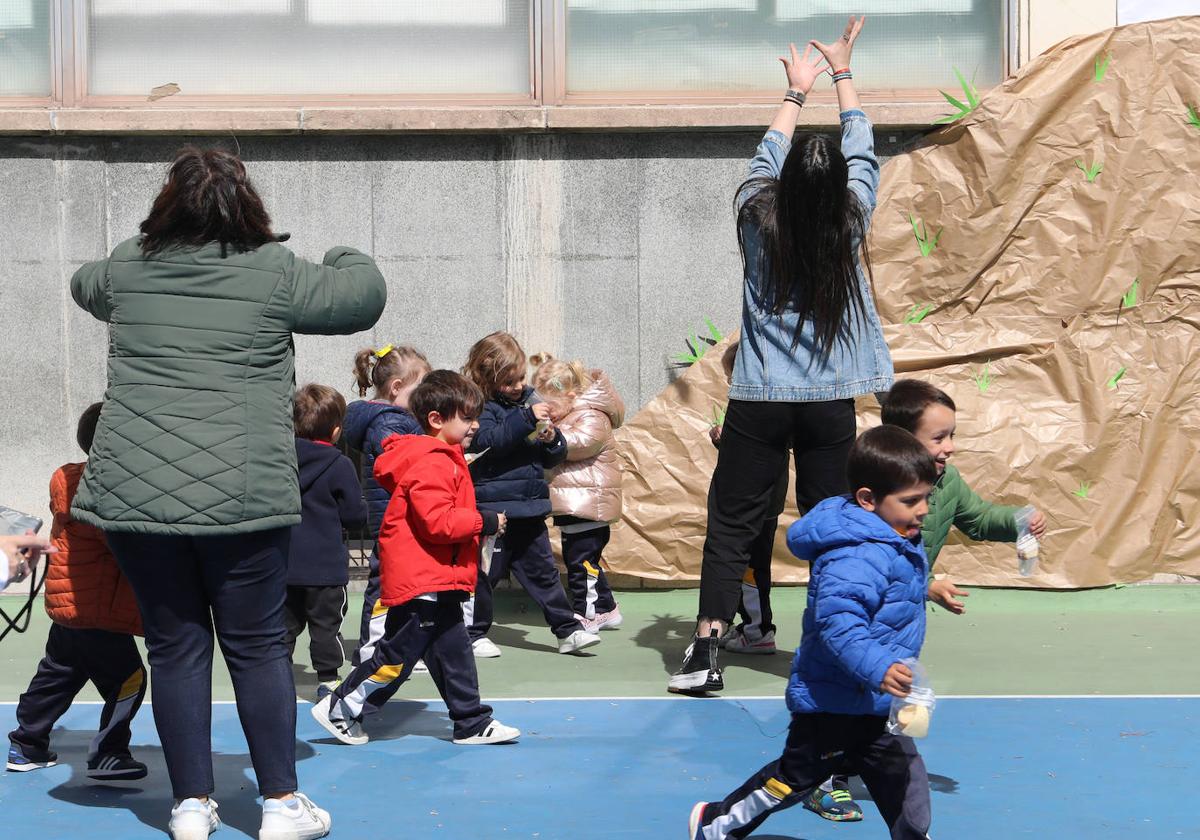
(684, 699)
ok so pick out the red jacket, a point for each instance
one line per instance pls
(429, 539)
(84, 587)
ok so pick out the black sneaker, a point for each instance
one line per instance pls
(700, 673)
(21, 760)
(115, 767)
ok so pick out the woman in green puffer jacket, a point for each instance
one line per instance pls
(193, 474)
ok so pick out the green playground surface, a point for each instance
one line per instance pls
(1125, 640)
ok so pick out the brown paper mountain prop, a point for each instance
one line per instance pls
(1040, 261)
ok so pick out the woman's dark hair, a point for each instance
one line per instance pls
(448, 393)
(316, 411)
(810, 226)
(207, 198)
(85, 431)
(907, 401)
(887, 459)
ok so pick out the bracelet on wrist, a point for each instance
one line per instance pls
(796, 96)
(842, 75)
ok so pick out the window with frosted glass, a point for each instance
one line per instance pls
(731, 46)
(25, 68)
(280, 47)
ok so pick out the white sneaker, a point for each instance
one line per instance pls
(485, 648)
(743, 643)
(192, 819)
(324, 689)
(347, 731)
(293, 819)
(577, 641)
(495, 733)
(610, 620)
(420, 667)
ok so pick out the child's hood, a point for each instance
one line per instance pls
(602, 396)
(402, 453)
(838, 523)
(314, 460)
(360, 414)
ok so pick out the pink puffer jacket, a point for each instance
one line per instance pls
(588, 483)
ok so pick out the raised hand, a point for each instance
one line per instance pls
(838, 53)
(802, 72)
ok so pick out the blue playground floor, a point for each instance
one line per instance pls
(1047, 767)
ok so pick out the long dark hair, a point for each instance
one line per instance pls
(207, 198)
(810, 224)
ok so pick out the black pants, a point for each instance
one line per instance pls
(754, 448)
(817, 745)
(320, 609)
(186, 587)
(110, 660)
(420, 629)
(756, 583)
(524, 550)
(590, 592)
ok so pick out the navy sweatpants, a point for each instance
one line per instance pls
(73, 657)
(524, 550)
(590, 592)
(817, 745)
(755, 606)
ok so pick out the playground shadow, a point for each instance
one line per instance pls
(671, 634)
(150, 799)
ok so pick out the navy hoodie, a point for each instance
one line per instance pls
(511, 477)
(330, 500)
(367, 424)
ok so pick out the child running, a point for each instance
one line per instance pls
(585, 489)
(393, 372)
(929, 414)
(865, 613)
(515, 445)
(428, 553)
(318, 562)
(95, 617)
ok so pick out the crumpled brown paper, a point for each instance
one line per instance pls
(1067, 398)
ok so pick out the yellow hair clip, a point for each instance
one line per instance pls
(383, 351)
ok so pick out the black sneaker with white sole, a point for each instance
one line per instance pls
(700, 673)
(115, 767)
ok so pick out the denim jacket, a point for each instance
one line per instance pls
(768, 367)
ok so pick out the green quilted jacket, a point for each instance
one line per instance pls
(195, 437)
(954, 503)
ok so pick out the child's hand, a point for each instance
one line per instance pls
(503, 523)
(943, 593)
(541, 411)
(714, 434)
(1037, 524)
(547, 434)
(897, 681)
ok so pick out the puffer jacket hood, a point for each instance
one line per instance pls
(367, 425)
(588, 484)
(865, 608)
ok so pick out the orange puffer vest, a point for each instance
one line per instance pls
(84, 587)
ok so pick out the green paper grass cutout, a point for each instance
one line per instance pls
(983, 378)
(1085, 487)
(918, 312)
(1193, 117)
(1101, 66)
(718, 416)
(964, 108)
(923, 241)
(1115, 378)
(1090, 171)
(1129, 299)
(698, 345)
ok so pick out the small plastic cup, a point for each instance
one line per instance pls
(911, 715)
(1028, 547)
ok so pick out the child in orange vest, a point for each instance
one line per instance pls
(95, 616)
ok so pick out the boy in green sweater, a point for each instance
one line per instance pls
(929, 414)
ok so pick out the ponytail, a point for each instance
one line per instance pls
(379, 368)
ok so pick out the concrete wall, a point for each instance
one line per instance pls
(606, 247)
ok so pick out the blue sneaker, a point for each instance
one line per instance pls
(19, 762)
(837, 805)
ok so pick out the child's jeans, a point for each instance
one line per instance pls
(817, 746)
(581, 550)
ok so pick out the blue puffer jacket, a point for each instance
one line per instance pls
(865, 611)
(366, 425)
(511, 477)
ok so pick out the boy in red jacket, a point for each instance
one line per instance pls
(429, 558)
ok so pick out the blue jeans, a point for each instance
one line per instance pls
(186, 587)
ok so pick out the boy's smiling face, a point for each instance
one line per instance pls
(935, 431)
(904, 510)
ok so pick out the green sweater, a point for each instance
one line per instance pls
(954, 503)
(195, 437)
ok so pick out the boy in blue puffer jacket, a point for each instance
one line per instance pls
(865, 613)
(394, 372)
